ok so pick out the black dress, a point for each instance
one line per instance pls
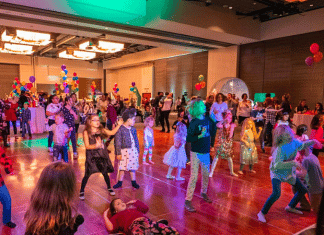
(97, 160)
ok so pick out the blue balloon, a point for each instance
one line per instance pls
(65, 71)
(54, 91)
(64, 78)
(117, 89)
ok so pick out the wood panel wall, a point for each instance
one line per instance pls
(180, 74)
(85, 86)
(8, 72)
(278, 66)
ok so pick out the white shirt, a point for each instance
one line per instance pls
(244, 111)
(53, 108)
(220, 108)
(167, 104)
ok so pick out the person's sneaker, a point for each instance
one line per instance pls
(50, 149)
(293, 210)
(118, 185)
(253, 171)
(261, 217)
(135, 185)
(10, 224)
(81, 196)
(303, 209)
(240, 172)
(189, 206)
(180, 179)
(170, 177)
(233, 174)
(163, 221)
(206, 198)
(111, 192)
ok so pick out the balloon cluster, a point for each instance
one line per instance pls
(93, 88)
(133, 88)
(116, 89)
(65, 83)
(201, 84)
(317, 55)
(18, 86)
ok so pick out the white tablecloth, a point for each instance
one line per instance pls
(37, 123)
(299, 119)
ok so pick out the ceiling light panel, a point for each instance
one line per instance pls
(16, 49)
(27, 37)
(102, 47)
(77, 55)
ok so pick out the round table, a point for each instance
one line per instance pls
(306, 119)
(37, 123)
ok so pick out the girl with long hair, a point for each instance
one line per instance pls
(97, 157)
(51, 203)
(283, 168)
(317, 132)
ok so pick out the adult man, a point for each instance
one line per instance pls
(156, 106)
(119, 105)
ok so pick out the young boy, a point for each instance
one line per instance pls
(25, 120)
(314, 178)
(61, 134)
(199, 134)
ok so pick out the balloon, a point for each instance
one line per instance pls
(67, 90)
(77, 81)
(116, 85)
(56, 88)
(309, 60)
(76, 78)
(32, 79)
(94, 86)
(133, 83)
(23, 83)
(76, 89)
(314, 48)
(62, 87)
(29, 85)
(56, 84)
(18, 86)
(54, 91)
(57, 92)
(13, 86)
(74, 74)
(16, 78)
(63, 67)
(62, 73)
(64, 78)
(18, 81)
(93, 83)
(117, 89)
(202, 84)
(318, 57)
(201, 78)
(64, 84)
(135, 90)
(131, 89)
(65, 71)
(197, 86)
(33, 89)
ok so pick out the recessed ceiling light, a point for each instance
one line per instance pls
(254, 3)
(230, 8)
(311, 5)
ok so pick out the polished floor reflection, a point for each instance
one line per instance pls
(236, 201)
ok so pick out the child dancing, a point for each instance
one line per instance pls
(148, 139)
(25, 120)
(97, 157)
(283, 168)
(127, 148)
(317, 132)
(176, 157)
(130, 218)
(199, 132)
(3, 124)
(249, 154)
(225, 142)
(61, 133)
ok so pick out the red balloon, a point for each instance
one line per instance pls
(77, 81)
(318, 57)
(16, 79)
(74, 74)
(29, 85)
(13, 86)
(198, 86)
(18, 82)
(314, 48)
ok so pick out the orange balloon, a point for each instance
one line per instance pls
(203, 84)
(318, 57)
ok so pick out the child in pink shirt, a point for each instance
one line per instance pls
(317, 132)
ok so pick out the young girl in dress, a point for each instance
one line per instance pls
(51, 203)
(249, 154)
(97, 157)
(130, 218)
(127, 148)
(225, 142)
(148, 139)
(317, 132)
(176, 157)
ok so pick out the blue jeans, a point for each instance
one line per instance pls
(73, 140)
(276, 191)
(60, 150)
(24, 124)
(50, 134)
(5, 200)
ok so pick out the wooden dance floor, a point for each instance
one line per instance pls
(236, 201)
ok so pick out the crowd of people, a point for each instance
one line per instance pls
(204, 133)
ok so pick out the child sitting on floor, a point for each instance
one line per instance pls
(130, 218)
(176, 157)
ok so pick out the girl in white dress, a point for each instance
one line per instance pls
(176, 157)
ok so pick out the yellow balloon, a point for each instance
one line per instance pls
(62, 73)
(94, 86)
(33, 89)
(62, 87)
(57, 92)
(93, 83)
(23, 83)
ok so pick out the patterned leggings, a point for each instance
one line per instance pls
(145, 226)
(149, 150)
(195, 163)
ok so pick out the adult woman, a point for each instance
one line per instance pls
(70, 115)
(76, 104)
(52, 109)
(302, 107)
(111, 114)
(232, 105)
(217, 108)
(244, 109)
(165, 111)
(318, 108)
(102, 106)
(285, 105)
(11, 114)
